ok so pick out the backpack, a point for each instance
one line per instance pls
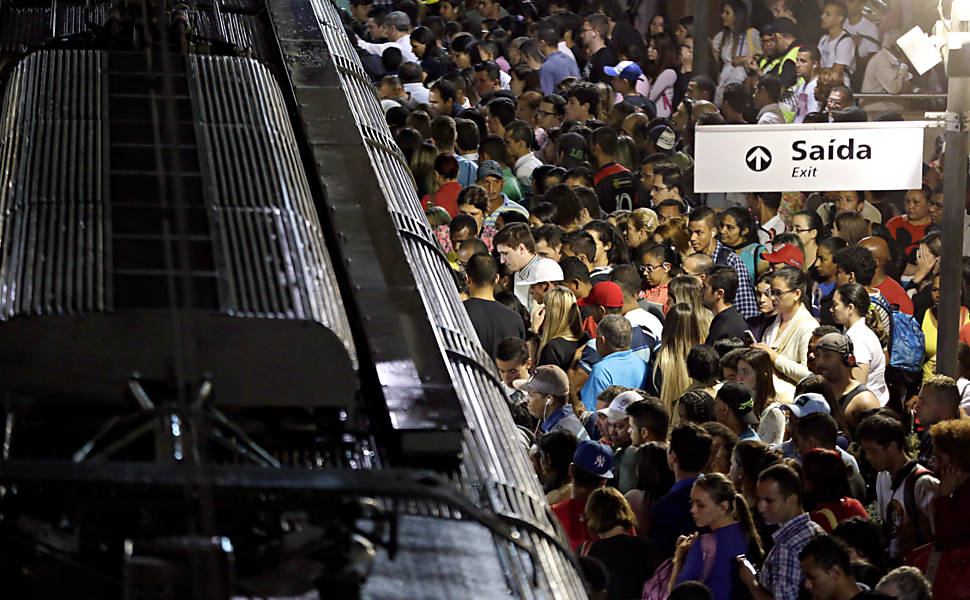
(909, 499)
(906, 339)
(658, 586)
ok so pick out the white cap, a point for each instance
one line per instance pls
(617, 408)
(544, 270)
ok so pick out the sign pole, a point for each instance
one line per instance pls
(702, 45)
(954, 190)
(954, 200)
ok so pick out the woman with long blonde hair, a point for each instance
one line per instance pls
(669, 377)
(562, 334)
(690, 290)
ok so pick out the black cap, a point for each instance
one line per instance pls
(784, 26)
(740, 400)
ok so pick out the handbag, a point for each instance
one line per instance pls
(658, 586)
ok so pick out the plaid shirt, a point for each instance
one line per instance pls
(782, 572)
(744, 300)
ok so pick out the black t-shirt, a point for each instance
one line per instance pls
(493, 321)
(727, 323)
(643, 103)
(594, 68)
(629, 560)
(615, 188)
(560, 352)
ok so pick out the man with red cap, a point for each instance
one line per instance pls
(604, 298)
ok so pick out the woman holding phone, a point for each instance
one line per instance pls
(715, 503)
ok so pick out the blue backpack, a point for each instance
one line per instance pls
(906, 339)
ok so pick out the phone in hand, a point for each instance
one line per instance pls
(743, 559)
(748, 337)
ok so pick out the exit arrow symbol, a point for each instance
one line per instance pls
(758, 158)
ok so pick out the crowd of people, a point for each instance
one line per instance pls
(723, 395)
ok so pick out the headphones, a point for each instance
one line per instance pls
(848, 359)
(548, 400)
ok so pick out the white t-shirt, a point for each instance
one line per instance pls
(867, 28)
(963, 386)
(805, 101)
(892, 505)
(644, 319)
(868, 351)
(772, 227)
(838, 51)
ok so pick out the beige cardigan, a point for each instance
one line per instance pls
(792, 348)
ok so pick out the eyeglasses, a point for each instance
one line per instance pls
(779, 293)
(647, 269)
(803, 230)
(660, 188)
(544, 113)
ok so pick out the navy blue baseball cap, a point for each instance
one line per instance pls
(594, 457)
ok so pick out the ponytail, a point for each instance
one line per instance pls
(743, 513)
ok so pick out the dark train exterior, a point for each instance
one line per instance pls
(232, 358)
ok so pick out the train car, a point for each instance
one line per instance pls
(233, 361)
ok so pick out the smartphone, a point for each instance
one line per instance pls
(746, 564)
(748, 337)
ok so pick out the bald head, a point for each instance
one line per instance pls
(697, 264)
(879, 250)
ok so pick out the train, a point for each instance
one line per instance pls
(233, 360)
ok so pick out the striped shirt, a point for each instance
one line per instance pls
(782, 572)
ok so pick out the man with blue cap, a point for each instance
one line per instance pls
(820, 431)
(592, 465)
(624, 77)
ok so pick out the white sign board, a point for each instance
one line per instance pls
(809, 157)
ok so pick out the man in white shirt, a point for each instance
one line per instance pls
(864, 32)
(628, 279)
(806, 66)
(398, 26)
(517, 251)
(413, 79)
(836, 47)
(904, 506)
(520, 139)
(766, 205)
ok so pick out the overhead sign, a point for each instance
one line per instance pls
(809, 157)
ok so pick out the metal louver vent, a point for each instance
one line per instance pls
(52, 228)
(267, 237)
